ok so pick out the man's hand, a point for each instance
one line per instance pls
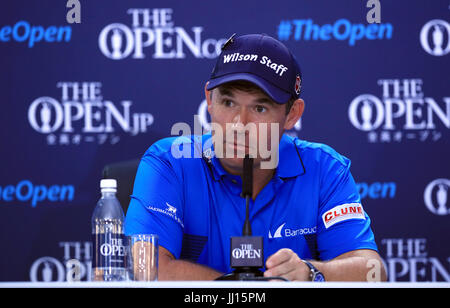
(286, 263)
(355, 265)
(173, 269)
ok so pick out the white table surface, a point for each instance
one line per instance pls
(223, 284)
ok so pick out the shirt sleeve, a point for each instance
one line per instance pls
(156, 205)
(343, 225)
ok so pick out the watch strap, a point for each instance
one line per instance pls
(314, 272)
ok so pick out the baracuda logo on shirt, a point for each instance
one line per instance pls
(289, 232)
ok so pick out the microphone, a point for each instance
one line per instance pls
(246, 251)
(246, 257)
(247, 192)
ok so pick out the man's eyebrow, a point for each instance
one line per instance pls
(264, 100)
(225, 91)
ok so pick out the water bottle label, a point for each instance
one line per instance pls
(109, 250)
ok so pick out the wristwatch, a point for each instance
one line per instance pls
(314, 274)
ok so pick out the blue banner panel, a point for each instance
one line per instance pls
(82, 91)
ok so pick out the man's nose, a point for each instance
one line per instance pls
(241, 118)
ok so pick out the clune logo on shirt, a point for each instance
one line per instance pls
(343, 212)
(282, 232)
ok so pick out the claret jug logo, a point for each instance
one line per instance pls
(82, 115)
(403, 113)
(436, 197)
(153, 31)
(435, 37)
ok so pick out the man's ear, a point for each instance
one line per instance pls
(208, 95)
(294, 114)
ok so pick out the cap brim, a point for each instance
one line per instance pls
(275, 93)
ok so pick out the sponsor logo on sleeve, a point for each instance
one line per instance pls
(170, 211)
(343, 212)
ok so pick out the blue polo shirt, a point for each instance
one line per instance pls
(311, 204)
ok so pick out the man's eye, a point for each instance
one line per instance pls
(227, 103)
(260, 109)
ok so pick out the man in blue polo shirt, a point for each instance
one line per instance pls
(305, 203)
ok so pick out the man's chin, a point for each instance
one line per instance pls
(232, 165)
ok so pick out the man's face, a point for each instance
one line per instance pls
(250, 123)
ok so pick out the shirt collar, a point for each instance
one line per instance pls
(210, 157)
(290, 163)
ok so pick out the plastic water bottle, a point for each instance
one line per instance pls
(110, 251)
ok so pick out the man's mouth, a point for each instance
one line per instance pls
(235, 144)
(237, 150)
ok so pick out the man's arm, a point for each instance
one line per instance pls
(356, 265)
(173, 269)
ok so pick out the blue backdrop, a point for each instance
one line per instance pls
(78, 96)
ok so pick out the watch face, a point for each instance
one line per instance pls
(319, 277)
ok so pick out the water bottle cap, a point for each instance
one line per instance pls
(108, 183)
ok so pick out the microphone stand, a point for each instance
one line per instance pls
(246, 272)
